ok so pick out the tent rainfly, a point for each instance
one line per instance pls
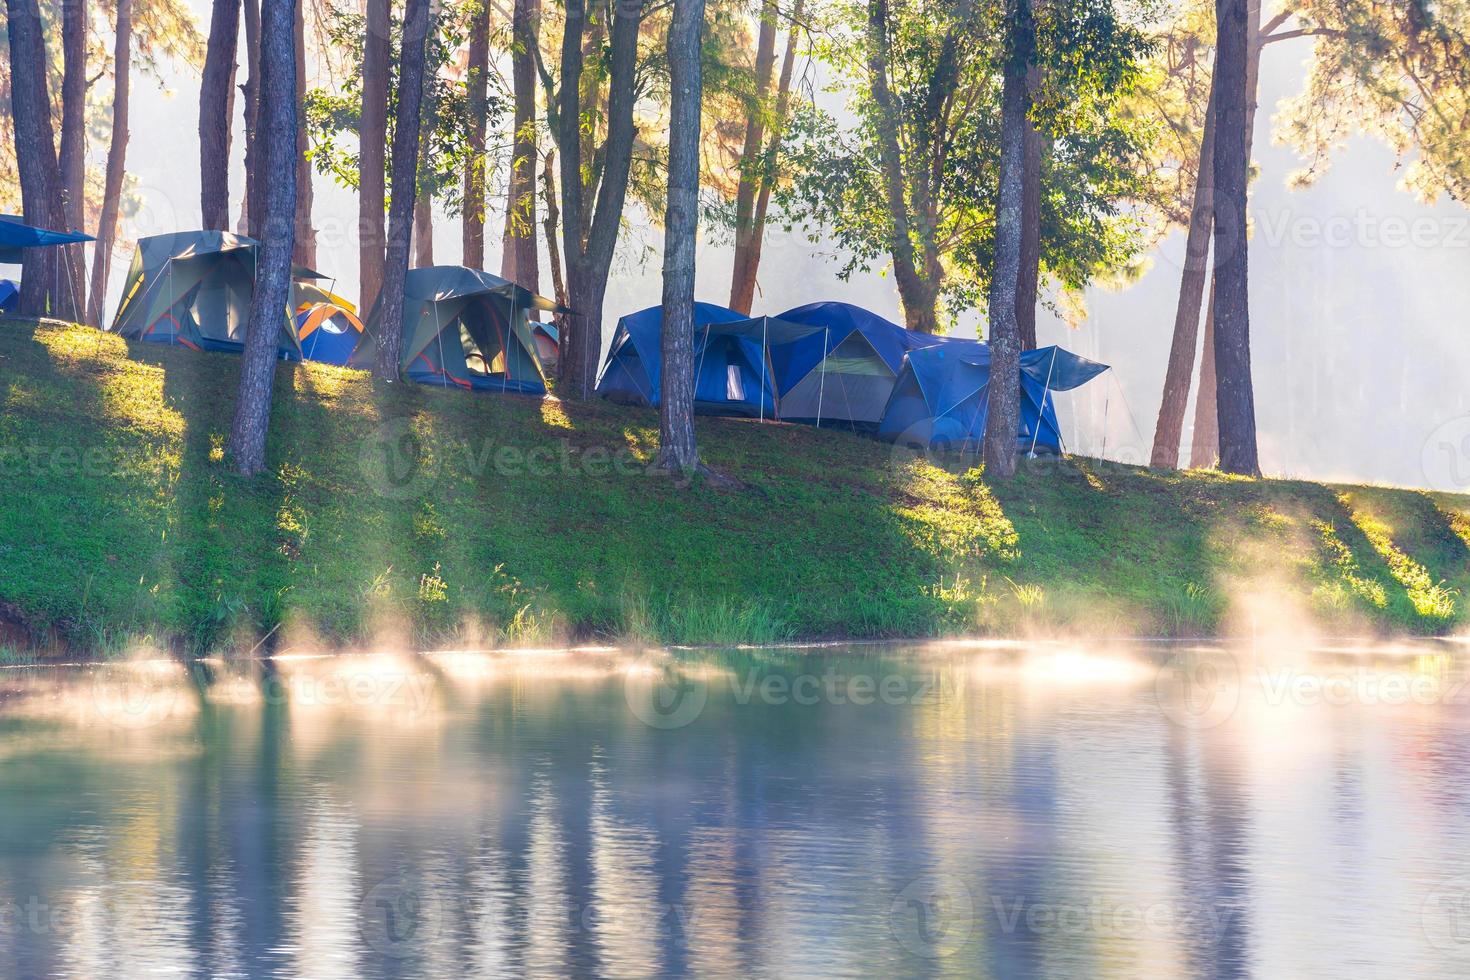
(193, 288)
(463, 328)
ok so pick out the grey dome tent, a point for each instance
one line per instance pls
(193, 288)
(463, 328)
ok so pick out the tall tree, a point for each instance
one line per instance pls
(1235, 399)
(305, 245)
(116, 160)
(252, 207)
(278, 110)
(423, 229)
(589, 233)
(45, 286)
(1028, 276)
(518, 260)
(476, 86)
(1003, 399)
(406, 122)
(677, 451)
(216, 102)
(73, 163)
(373, 140)
(742, 284)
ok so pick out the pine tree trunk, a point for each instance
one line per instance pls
(117, 153)
(405, 174)
(1204, 450)
(476, 85)
(305, 246)
(518, 259)
(373, 140)
(73, 156)
(589, 258)
(42, 287)
(677, 450)
(752, 159)
(1235, 398)
(423, 231)
(252, 208)
(216, 102)
(1177, 375)
(549, 224)
(1028, 280)
(278, 113)
(1003, 406)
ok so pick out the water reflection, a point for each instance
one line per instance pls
(941, 810)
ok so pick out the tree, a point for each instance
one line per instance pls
(1003, 412)
(268, 303)
(116, 160)
(72, 162)
(305, 246)
(252, 207)
(46, 286)
(678, 452)
(476, 71)
(372, 153)
(1235, 399)
(518, 260)
(216, 102)
(590, 225)
(410, 90)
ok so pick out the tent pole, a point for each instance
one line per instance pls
(1041, 409)
(764, 355)
(822, 382)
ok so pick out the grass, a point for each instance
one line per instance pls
(426, 517)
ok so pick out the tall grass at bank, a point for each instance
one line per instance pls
(407, 514)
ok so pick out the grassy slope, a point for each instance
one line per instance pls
(118, 520)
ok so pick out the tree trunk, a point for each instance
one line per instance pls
(304, 251)
(405, 178)
(1235, 398)
(550, 224)
(518, 260)
(116, 161)
(216, 102)
(252, 208)
(373, 140)
(589, 259)
(73, 160)
(42, 289)
(1003, 399)
(752, 160)
(423, 230)
(476, 85)
(1028, 280)
(1204, 447)
(1192, 281)
(677, 451)
(273, 261)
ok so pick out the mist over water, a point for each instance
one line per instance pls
(972, 809)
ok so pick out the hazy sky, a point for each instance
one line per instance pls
(1359, 298)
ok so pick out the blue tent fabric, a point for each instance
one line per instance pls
(9, 296)
(733, 376)
(941, 396)
(15, 235)
(840, 320)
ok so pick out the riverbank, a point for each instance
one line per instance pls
(402, 514)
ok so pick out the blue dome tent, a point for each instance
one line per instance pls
(732, 371)
(940, 398)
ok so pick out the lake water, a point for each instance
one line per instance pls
(976, 810)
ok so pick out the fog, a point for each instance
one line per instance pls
(1358, 297)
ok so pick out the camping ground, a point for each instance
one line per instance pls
(402, 514)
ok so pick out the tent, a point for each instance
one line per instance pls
(846, 370)
(9, 296)
(193, 288)
(940, 397)
(548, 343)
(732, 369)
(463, 328)
(327, 332)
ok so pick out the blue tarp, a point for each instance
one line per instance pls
(732, 373)
(941, 395)
(15, 236)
